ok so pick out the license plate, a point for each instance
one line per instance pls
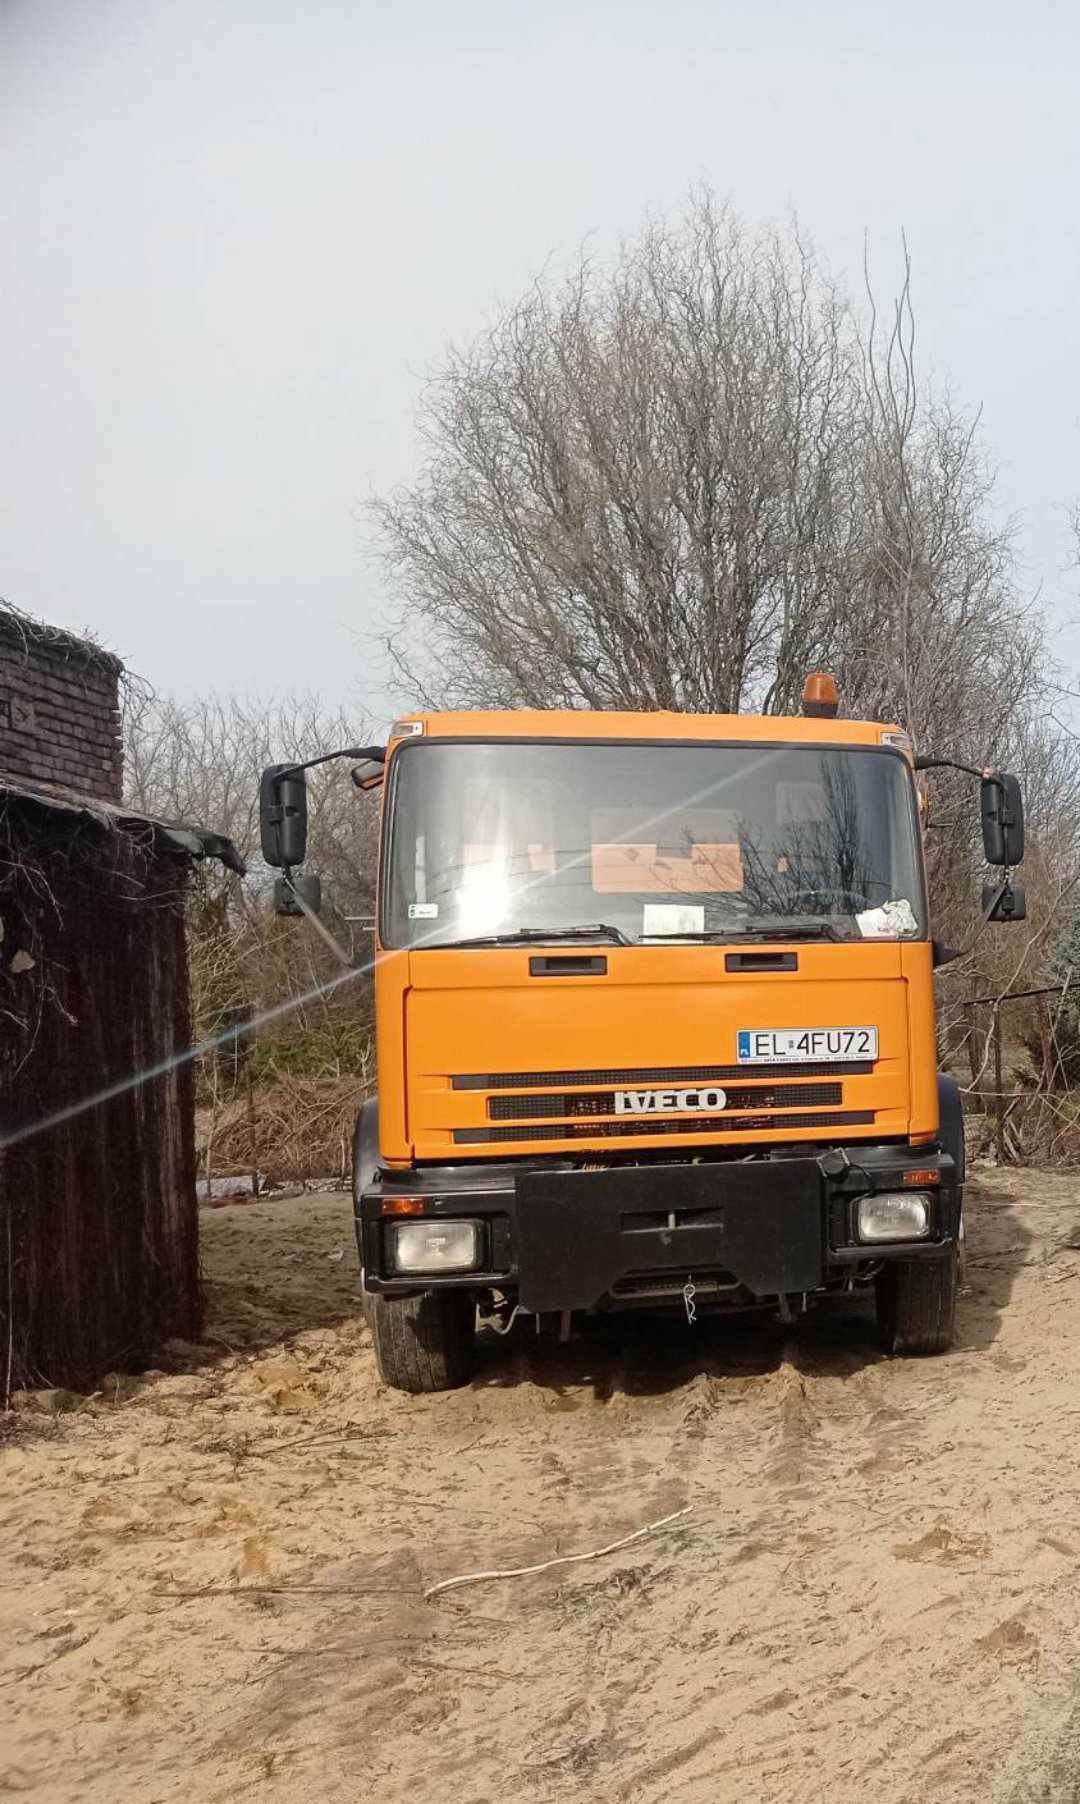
(797, 1045)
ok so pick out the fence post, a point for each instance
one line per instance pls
(252, 1126)
(999, 1097)
(232, 1065)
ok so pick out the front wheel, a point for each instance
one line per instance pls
(916, 1304)
(423, 1343)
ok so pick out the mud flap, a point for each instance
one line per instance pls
(579, 1232)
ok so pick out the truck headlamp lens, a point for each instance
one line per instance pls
(433, 1246)
(894, 1215)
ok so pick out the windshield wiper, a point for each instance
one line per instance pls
(806, 930)
(524, 936)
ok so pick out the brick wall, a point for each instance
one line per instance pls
(59, 713)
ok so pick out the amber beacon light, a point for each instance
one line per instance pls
(820, 696)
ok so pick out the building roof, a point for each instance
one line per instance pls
(26, 634)
(197, 842)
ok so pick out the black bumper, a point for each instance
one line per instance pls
(562, 1238)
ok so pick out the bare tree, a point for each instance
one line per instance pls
(681, 481)
(201, 761)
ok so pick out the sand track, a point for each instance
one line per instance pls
(211, 1578)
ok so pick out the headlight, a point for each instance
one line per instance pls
(434, 1246)
(894, 1215)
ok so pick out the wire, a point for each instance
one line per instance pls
(506, 1326)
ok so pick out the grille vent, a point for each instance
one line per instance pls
(701, 1125)
(602, 1102)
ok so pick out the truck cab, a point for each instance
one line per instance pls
(655, 1026)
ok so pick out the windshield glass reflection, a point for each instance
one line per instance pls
(652, 842)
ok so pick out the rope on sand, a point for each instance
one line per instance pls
(566, 1559)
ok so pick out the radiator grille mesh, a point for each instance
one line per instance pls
(602, 1102)
(700, 1125)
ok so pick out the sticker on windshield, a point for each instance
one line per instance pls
(672, 918)
(797, 1045)
(890, 921)
(423, 911)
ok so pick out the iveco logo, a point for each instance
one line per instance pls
(670, 1102)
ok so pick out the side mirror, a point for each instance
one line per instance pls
(283, 814)
(297, 895)
(1002, 819)
(1011, 905)
(369, 774)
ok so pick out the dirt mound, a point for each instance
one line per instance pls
(214, 1575)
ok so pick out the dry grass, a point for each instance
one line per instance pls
(295, 1128)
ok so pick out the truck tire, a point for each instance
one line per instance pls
(916, 1304)
(951, 1127)
(951, 1139)
(365, 1166)
(423, 1343)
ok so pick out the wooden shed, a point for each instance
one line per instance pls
(98, 1215)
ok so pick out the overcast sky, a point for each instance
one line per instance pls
(234, 234)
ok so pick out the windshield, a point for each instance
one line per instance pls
(650, 842)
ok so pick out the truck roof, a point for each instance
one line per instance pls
(571, 723)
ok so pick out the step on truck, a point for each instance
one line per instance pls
(655, 1022)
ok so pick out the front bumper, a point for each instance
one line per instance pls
(560, 1238)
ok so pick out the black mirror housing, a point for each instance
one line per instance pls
(1011, 905)
(942, 954)
(297, 895)
(1002, 805)
(283, 814)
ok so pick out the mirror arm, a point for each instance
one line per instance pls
(985, 776)
(946, 764)
(376, 754)
(984, 921)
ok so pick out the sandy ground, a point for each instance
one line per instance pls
(211, 1577)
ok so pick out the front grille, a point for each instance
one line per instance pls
(663, 1075)
(671, 1284)
(700, 1125)
(602, 1102)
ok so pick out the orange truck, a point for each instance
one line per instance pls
(655, 1022)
